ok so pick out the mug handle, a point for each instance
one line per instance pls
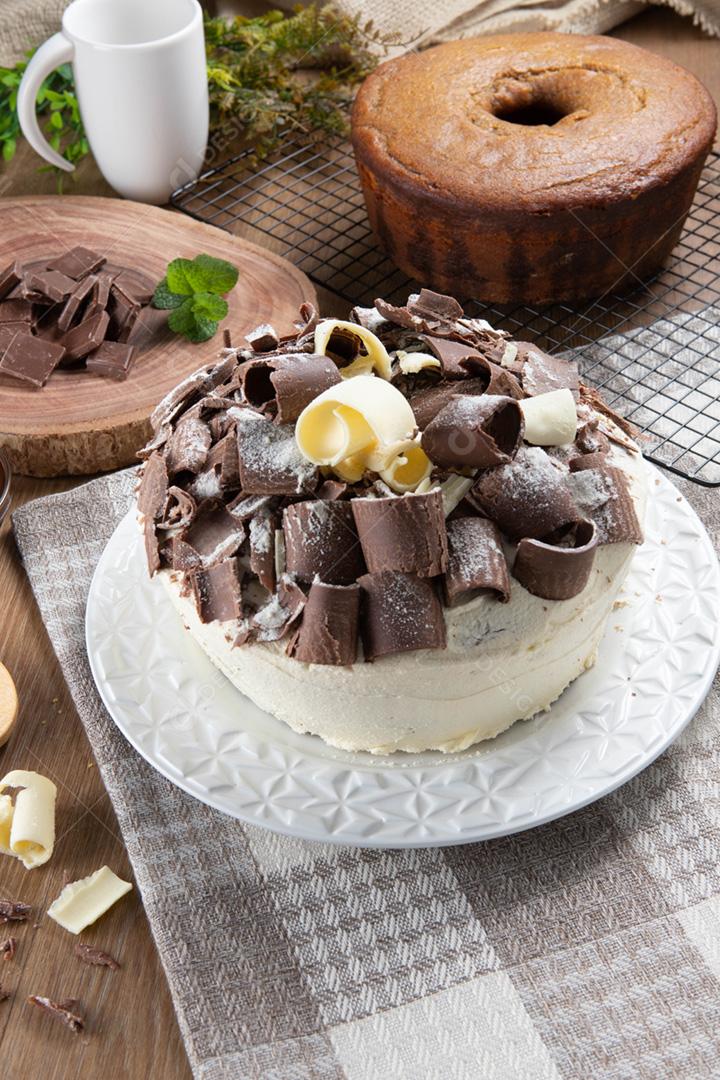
(57, 50)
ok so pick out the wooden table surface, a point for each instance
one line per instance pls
(132, 1033)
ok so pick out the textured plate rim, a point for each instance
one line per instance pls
(482, 832)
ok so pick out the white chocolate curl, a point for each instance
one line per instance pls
(27, 830)
(360, 424)
(413, 362)
(550, 419)
(375, 358)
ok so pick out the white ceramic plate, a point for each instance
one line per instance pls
(656, 663)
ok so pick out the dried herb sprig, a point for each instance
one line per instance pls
(266, 76)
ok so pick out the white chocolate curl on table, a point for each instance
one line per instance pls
(27, 829)
(550, 419)
(363, 424)
(375, 357)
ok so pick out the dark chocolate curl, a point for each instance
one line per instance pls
(529, 497)
(405, 533)
(153, 488)
(180, 509)
(452, 355)
(426, 404)
(332, 490)
(476, 561)
(321, 541)
(497, 379)
(152, 546)
(273, 621)
(188, 446)
(432, 305)
(474, 432)
(557, 572)
(217, 591)
(270, 461)
(291, 382)
(262, 548)
(328, 632)
(603, 494)
(214, 533)
(400, 613)
(542, 372)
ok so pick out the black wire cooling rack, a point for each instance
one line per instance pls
(653, 351)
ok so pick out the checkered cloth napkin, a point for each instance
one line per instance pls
(585, 948)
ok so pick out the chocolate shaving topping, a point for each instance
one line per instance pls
(180, 509)
(218, 591)
(557, 571)
(400, 316)
(529, 497)
(276, 618)
(603, 494)
(587, 461)
(223, 459)
(542, 372)
(431, 305)
(474, 432)
(452, 355)
(328, 632)
(497, 379)
(476, 561)
(289, 382)
(95, 957)
(199, 383)
(78, 262)
(60, 1011)
(321, 541)
(270, 461)
(188, 446)
(590, 396)
(262, 339)
(246, 506)
(308, 320)
(8, 948)
(153, 488)
(11, 911)
(262, 548)
(332, 490)
(152, 546)
(427, 403)
(214, 533)
(30, 359)
(400, 613)
(403, 533)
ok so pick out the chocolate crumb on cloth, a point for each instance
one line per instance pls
(321, 541)
(476, 562)
(557, 571)
(401, 613)
(328, 632)
(404, 533)
(474, 432)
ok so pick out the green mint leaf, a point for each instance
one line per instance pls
(183, 320)
(209, 306)
(178, 277)
(207, 274)
(204, 329)
(165, 298)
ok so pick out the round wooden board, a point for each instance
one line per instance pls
(80, 423)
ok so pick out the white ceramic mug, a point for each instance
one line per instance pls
(141, 83)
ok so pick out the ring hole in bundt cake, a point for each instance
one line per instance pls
(536, 114)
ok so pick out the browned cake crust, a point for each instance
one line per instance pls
(531, 167)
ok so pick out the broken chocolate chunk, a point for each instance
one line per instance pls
(404, 533)
(214, 533)
(400, 613)
(86, 336)
(602, 493)
(542, 372)
(262, 548)
(153, 488)
(61, 1010)
(136, 286)
(557, 571)
(78, 262)
(11, 911)
(218, 592)
(11, 276)
(529, 497)
(31, 359)
(51, 284)
(263, 338)
(476, 562)
(452, 355)
(289, 382)
(74, 303)
(431, 305)
(113, 359)
(95, 957)
(270, 461)
(123, 311)
(16, 311)
(321, 541)
(328, 632)
(427, 403)
(188, 446)
(331, 490)
(275, 619)
(474, 432)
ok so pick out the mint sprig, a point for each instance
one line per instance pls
(192, 291)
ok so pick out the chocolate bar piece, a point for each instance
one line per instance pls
(51, 284)
(14, 311)
(78, 262)
(74, 302)
(113, 359)
(136, 285)
(31, 359)
(11, 276)
(123, 311)
(8, 332)
(87, 336)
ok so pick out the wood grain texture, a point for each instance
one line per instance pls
(82, 423)
(133, 1034)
